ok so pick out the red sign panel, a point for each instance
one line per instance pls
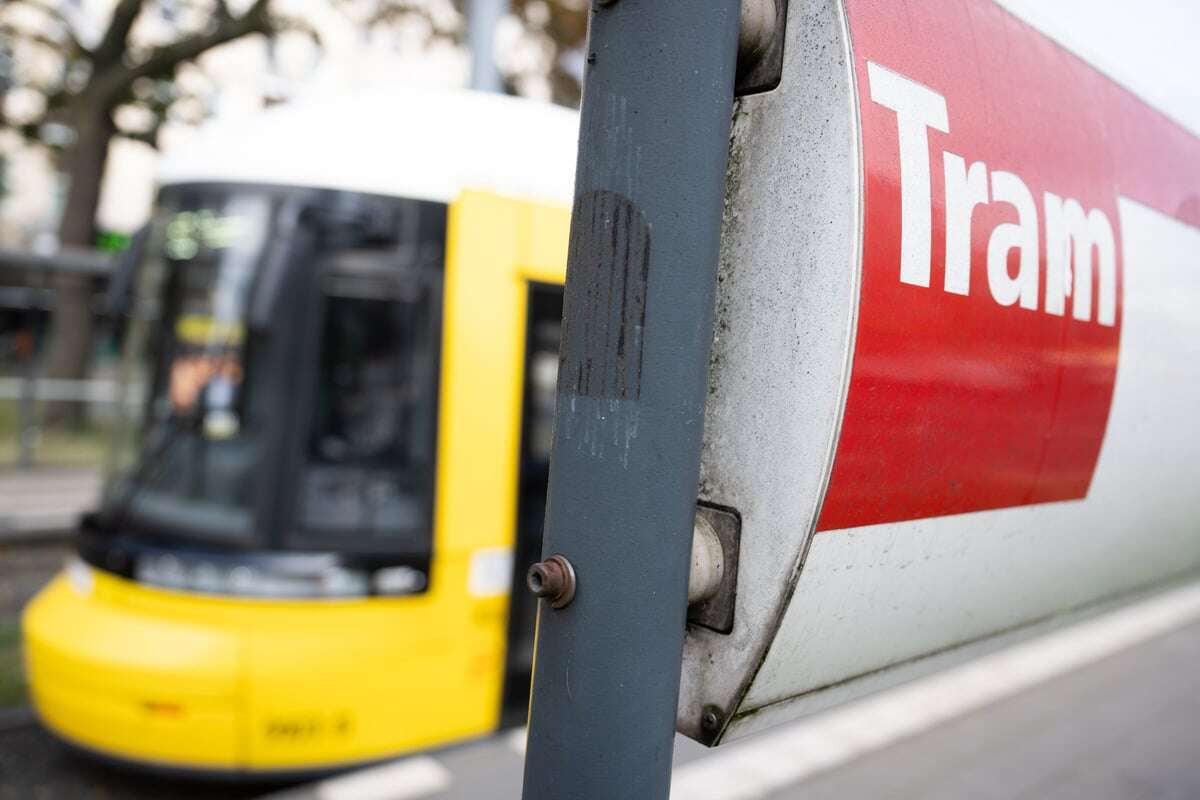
(990, 311)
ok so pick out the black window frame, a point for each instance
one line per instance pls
(369, 257)
(308, 228)
(126, 506)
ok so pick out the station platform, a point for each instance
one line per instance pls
(45, 501)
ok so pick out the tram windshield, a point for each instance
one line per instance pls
(369, 466)
(194, 457)
(290, 378)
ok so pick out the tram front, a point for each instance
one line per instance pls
(258, 591)
(286, 343)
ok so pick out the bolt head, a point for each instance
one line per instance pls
(552, 580)
(544, 579)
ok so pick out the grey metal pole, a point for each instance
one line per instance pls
(27, 409)
(641, 273)
(27, 416)
(483, 16)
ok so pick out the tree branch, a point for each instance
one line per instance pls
(113, 43)
(45, 40)
(149, 136)
(55, 15)
(114, 82)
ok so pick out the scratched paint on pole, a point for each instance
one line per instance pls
(605, 298)
(990, 314)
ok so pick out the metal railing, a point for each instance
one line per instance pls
(27, 288)
(100, 395)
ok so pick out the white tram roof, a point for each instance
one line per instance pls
(399, 141)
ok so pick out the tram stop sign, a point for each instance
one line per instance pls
(944, 389)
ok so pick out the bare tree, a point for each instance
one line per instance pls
(73, 88)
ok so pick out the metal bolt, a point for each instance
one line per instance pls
(553, 580)
(710, 719)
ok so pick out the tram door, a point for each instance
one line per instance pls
(542, 333)
(505, 267)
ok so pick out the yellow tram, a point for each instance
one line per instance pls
(345, 325)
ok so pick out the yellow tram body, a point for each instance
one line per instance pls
(191, 681)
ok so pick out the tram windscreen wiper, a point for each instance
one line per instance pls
(153, 459)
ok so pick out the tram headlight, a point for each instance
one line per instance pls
(160, 569)
(207, 577)
(80, 575)
(343, 582)
(242, 580)
(399, 580)
(302, 577)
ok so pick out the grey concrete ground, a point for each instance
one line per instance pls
(44, 500)
(25, 567)
(1125, 728)
(34, 766)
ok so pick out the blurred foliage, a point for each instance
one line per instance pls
(113, 241)
(552, 36)
(72, 82)
(74, 442)
(128, 68)
(60, 66)
(12, 676)
(560, 27)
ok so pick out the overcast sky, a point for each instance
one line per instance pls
(1151, 46)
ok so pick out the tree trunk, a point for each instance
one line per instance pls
(72, 323)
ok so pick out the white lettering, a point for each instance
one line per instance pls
(1071, 234)
(1021, 235)
(917, 109)
(1067, 229)
(965, 189)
